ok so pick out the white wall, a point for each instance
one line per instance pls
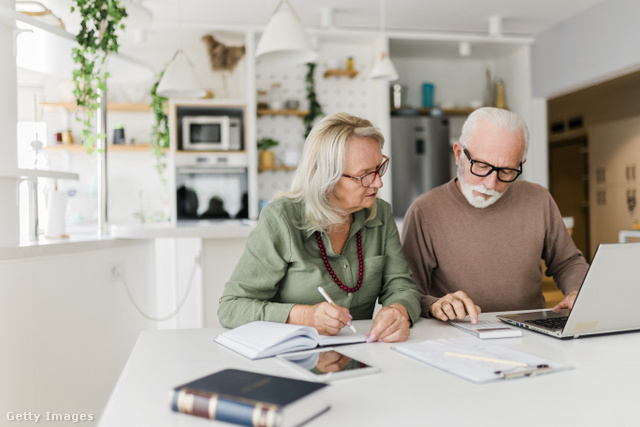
(613, 147)
(455, 81)
(335, 94)
(67, 329)
(594, 46)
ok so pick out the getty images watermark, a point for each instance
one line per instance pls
(48, 416)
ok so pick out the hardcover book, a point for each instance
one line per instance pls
(251, 399)
(260, 339)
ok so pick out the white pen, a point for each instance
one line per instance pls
(330, 301)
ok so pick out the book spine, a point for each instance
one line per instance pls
(221, 408)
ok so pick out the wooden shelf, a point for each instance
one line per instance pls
(445, 112)
(340, 73)
(450, 111)
(299, 113)
(277, 168)
(71, 106)
(110, 147)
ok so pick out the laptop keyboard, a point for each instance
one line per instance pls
(551, 323)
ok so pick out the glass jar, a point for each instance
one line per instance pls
(275, 97)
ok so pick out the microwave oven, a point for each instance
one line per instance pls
(211, 133)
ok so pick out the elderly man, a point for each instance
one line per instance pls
(476, 242)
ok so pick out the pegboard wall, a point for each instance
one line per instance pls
(335, 94)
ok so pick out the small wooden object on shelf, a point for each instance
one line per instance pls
(299, 113)
(338, 73)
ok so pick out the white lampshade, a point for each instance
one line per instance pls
(284, 40)
(384, 69)
(179, 79)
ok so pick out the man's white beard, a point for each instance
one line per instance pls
(477, 201)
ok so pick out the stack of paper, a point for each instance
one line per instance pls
(478, 361)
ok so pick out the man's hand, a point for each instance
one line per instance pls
(567, 302)
(455, 306)
(391, 324)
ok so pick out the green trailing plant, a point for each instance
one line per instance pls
(266, 143)
(315, 109)
(97, 38)
(159, 129)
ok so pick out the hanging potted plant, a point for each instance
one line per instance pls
(315, 109)
(97, 38)
(159, 129)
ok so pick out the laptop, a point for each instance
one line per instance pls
(607, 301)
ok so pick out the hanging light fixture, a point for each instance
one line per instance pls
(383, 68)
(179, 79)
(284, 39)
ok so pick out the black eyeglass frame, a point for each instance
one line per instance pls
(518, 172)
(384, 164)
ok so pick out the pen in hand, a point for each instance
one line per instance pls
(330, 301)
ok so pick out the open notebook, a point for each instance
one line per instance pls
(607, 301)
(260, 339)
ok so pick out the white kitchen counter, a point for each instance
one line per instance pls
(204, 229)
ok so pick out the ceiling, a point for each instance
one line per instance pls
(178, 22)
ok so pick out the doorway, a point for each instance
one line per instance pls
(569, 186)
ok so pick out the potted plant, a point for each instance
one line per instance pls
(97, 38)
(159, 129)
(118, 134)
(266, 155)
(315, 109)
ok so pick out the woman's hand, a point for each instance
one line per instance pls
(391, 324)
(326, 318)
(332, 361)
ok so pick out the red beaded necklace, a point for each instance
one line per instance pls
(333, 275)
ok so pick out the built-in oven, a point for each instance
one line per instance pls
(211, 186)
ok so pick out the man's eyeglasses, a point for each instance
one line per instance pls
(483, 169)
(367, 179)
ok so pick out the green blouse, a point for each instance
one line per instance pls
(282, 266)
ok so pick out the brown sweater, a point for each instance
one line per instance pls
(492, 254)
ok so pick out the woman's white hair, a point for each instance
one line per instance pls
(322, 165)
(498, 117)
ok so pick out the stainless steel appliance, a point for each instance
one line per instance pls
(419, 157)
(211, 186)
(211, 133)
(210, 128)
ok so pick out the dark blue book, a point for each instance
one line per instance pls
(251, 399)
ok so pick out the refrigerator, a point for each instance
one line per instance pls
(420, 155)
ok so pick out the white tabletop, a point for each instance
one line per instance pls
(601, 390)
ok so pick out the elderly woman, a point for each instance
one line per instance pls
(328, 230)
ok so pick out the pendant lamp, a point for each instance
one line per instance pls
(179, 79)
(383, 67)
(284, 39)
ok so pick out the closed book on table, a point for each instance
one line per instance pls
(251, 399)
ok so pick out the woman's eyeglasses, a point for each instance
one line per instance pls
(367, 179)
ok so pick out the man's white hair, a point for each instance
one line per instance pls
(503, 119)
